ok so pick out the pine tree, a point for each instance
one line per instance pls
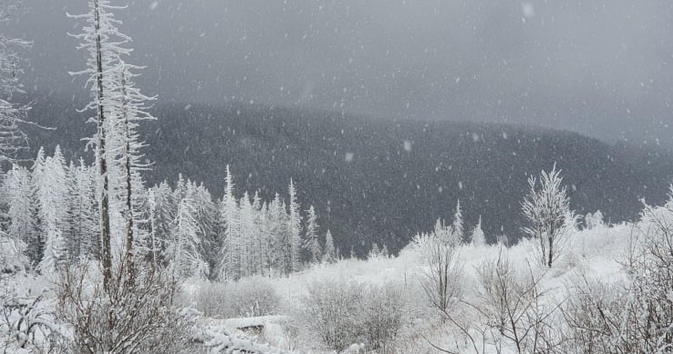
(247, 224)
(162, 209)
(458, 223)
(330, 254)
(277, 256)
(478, 238)
(230, 263)
(53, 198)
(20, 213)
(21, 208)
(261, 240)
(311, 244)
(35, 249)
(84, 211)
(186, 259)
(294, 227)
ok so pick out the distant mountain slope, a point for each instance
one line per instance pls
(377, 180)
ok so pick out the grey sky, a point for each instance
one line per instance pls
(600, 67)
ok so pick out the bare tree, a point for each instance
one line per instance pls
(547, 210)
(12, 137)
(124, 317)
(516, 307)
(442, 275)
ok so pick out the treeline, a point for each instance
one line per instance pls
(52, 209)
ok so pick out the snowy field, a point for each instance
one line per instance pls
(597, 254)
(384, 304)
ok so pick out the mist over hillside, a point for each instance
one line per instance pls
(376, 180)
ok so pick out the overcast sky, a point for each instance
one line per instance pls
(600, 67)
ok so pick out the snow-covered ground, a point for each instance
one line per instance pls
(597, 254)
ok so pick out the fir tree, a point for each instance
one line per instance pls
(478, 238)
(330, 254)
(294, 227)
(311, 244)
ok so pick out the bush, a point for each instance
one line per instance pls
(343, 313)
(249, 297)
(128, 317)
(382, 309)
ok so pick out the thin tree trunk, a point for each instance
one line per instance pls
(129, 193)
(106, 252)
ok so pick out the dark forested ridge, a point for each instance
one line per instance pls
(379, 180)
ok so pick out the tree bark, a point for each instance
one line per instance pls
(106, 252)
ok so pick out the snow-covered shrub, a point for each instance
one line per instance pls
(27, 325)
(130, 316)
(12, 255)
(331, 309)
(343, 313)
(250, 297)
(383, 314)
(517, 311)
(442, 274)
(211, 298)
(593, 317)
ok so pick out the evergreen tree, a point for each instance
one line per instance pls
(260, 239)
(294, 227)
(457, 226)
(330, 254)
(311, 244)
(53, 198)
(248, 232)
(84, 211)
(186, 259)
(478, 238)
(162, 211)
(230, 263)
(35, 249)
(21, 207)
(278, 255)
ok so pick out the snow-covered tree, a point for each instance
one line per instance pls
(248, 233)
(261, 240)
(230, 262)
(128, 108)
(278, 239)
(185, 258)
(330, 254)
(162, 211)
(105, 46)
(311, 244)
(478, 238)
(21, 205)
(54, 199)
(457, 226)
(35, 250)
(592, 221)
(84, 210)
(294, 227)
(12, 138)
(547, 212)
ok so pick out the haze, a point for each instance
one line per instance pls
(602, 68)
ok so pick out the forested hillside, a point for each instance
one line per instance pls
(376, 180)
